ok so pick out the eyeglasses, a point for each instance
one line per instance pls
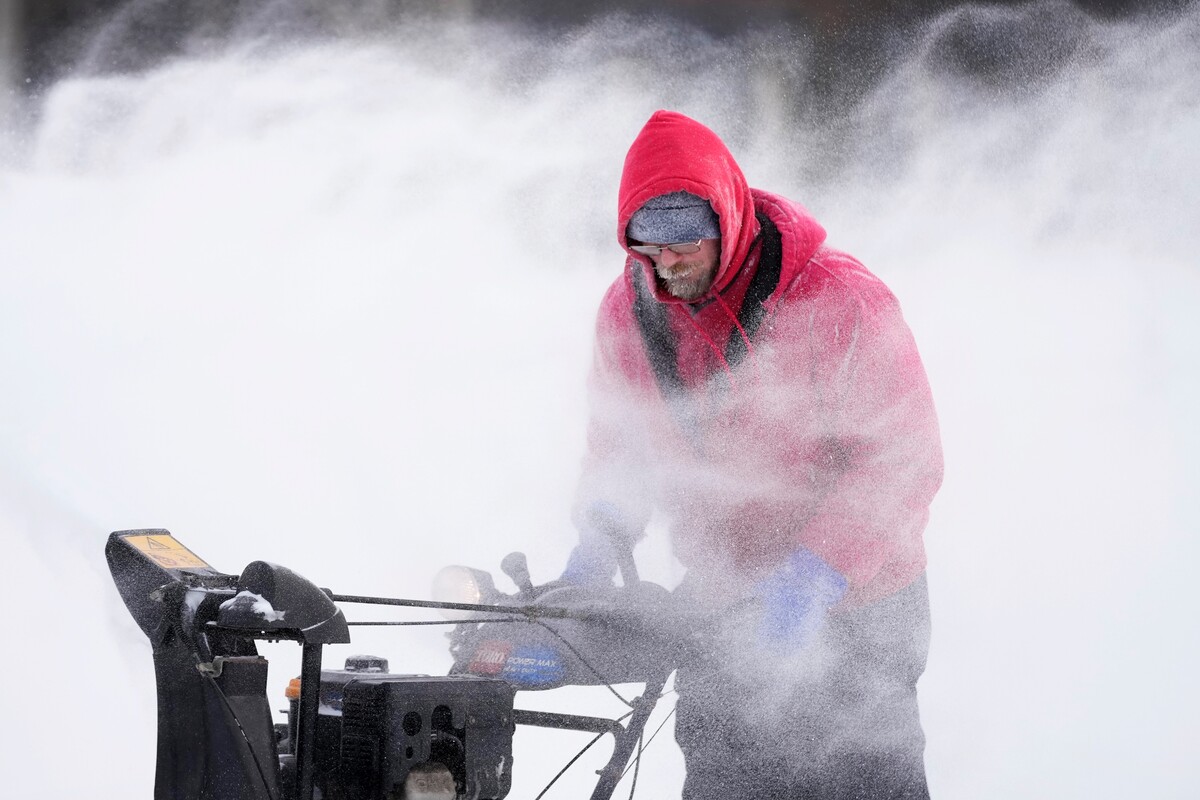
(682, 248)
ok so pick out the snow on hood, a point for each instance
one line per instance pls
(256, 604)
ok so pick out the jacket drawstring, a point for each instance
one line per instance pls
(713, 346)
(745, 338)
(736, 324)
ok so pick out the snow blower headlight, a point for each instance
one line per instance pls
(457, 584)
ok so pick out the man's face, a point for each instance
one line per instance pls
(690, 276)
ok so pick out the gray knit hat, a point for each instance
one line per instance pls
(674, 217)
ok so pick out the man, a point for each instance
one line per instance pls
(760, 393)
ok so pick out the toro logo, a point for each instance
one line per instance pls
(490, 658)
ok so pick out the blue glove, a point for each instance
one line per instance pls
(593, 562)
(795, 599)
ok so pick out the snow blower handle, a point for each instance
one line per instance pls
(608, 520)
(624, 551)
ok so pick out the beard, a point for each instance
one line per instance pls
(687, 280)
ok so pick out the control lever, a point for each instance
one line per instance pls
(516, 568)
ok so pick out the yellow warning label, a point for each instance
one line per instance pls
(167, 552)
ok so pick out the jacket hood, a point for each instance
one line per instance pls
(674, 153)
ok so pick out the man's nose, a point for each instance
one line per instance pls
(669, 258)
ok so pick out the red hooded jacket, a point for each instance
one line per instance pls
(822, 436)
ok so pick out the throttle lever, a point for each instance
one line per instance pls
(516, 568)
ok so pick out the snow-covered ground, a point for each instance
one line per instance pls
(329, 302)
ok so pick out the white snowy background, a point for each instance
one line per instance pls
(328, 302)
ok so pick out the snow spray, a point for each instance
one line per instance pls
(325, 299)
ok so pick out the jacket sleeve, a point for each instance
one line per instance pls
(616, 464)
(873, 458)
